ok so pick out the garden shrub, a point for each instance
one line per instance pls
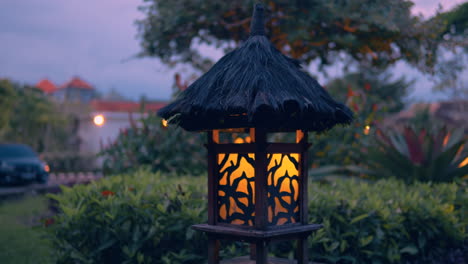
(138, 218)
(70, 161)
(147, 143)
(146, 218)
(389, 222)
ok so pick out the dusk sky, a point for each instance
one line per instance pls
(96, 39)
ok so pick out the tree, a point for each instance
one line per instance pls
(448, 72)
(369, 32)
(7, 97)
(371, 96)
(31, 118)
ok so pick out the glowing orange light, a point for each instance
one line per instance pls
(463, 163)
(99, 120)
(288, 185)
(238, 140)
(366, 130)
(242, 168)
(446, 139)
(46, 168)
(164, 123)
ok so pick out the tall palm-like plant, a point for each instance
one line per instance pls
(437, 155)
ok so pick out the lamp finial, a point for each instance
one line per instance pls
(257, 26)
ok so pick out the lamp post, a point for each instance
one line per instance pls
(257, 190)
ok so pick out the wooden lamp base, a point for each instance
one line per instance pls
(259, 242)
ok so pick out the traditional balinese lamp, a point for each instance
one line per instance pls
(257, 190)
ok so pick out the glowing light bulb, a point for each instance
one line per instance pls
(366, 130)
(164, 123)
(99, 120)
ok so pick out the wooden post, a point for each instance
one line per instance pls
(302, 252)
(213, 243)
(261, 252)
(261, 188)
(303, 194)
(213, 250)
(261, 194)
(212, 182)
(253, 252)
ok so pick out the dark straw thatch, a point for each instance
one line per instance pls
(256, 86)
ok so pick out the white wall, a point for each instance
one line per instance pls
(91, 135)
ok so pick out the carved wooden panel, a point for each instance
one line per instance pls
(283, 188)
(236, 189)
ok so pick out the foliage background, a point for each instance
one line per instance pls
(29, 117)
(145, 218)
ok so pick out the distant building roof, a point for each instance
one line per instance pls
(125, 106)
(46, 86)
(76, 82)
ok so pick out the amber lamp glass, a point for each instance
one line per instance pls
(236, 169)
(236, 188)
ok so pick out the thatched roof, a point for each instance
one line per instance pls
(256, 86)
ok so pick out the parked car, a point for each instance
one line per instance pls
(20, 164)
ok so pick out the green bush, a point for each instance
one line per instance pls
(146, 218)
(70, 162)
(149, 144)
(388, 222)
(142, 218)
(29, 117)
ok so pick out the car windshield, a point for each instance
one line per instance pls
(15, 151)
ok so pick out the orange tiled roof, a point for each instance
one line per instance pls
(125, 106)
(76, 82)
(46, 86)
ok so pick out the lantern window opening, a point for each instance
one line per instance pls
(247, 136)
(236, 188)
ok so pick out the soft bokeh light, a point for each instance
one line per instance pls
(367, 130)
(99, 120)
(463, 163)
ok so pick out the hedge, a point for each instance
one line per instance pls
(146, 218)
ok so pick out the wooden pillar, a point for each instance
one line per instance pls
(302, 247)
(261, 252)
(303, 194)
(261, 188)
(213, 243)
(253, 252)
(213, 250)
(212, 181)
(261, 194)
(302, 251)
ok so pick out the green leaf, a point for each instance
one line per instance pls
(359, 218)
(412, 250)
(365, 241)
